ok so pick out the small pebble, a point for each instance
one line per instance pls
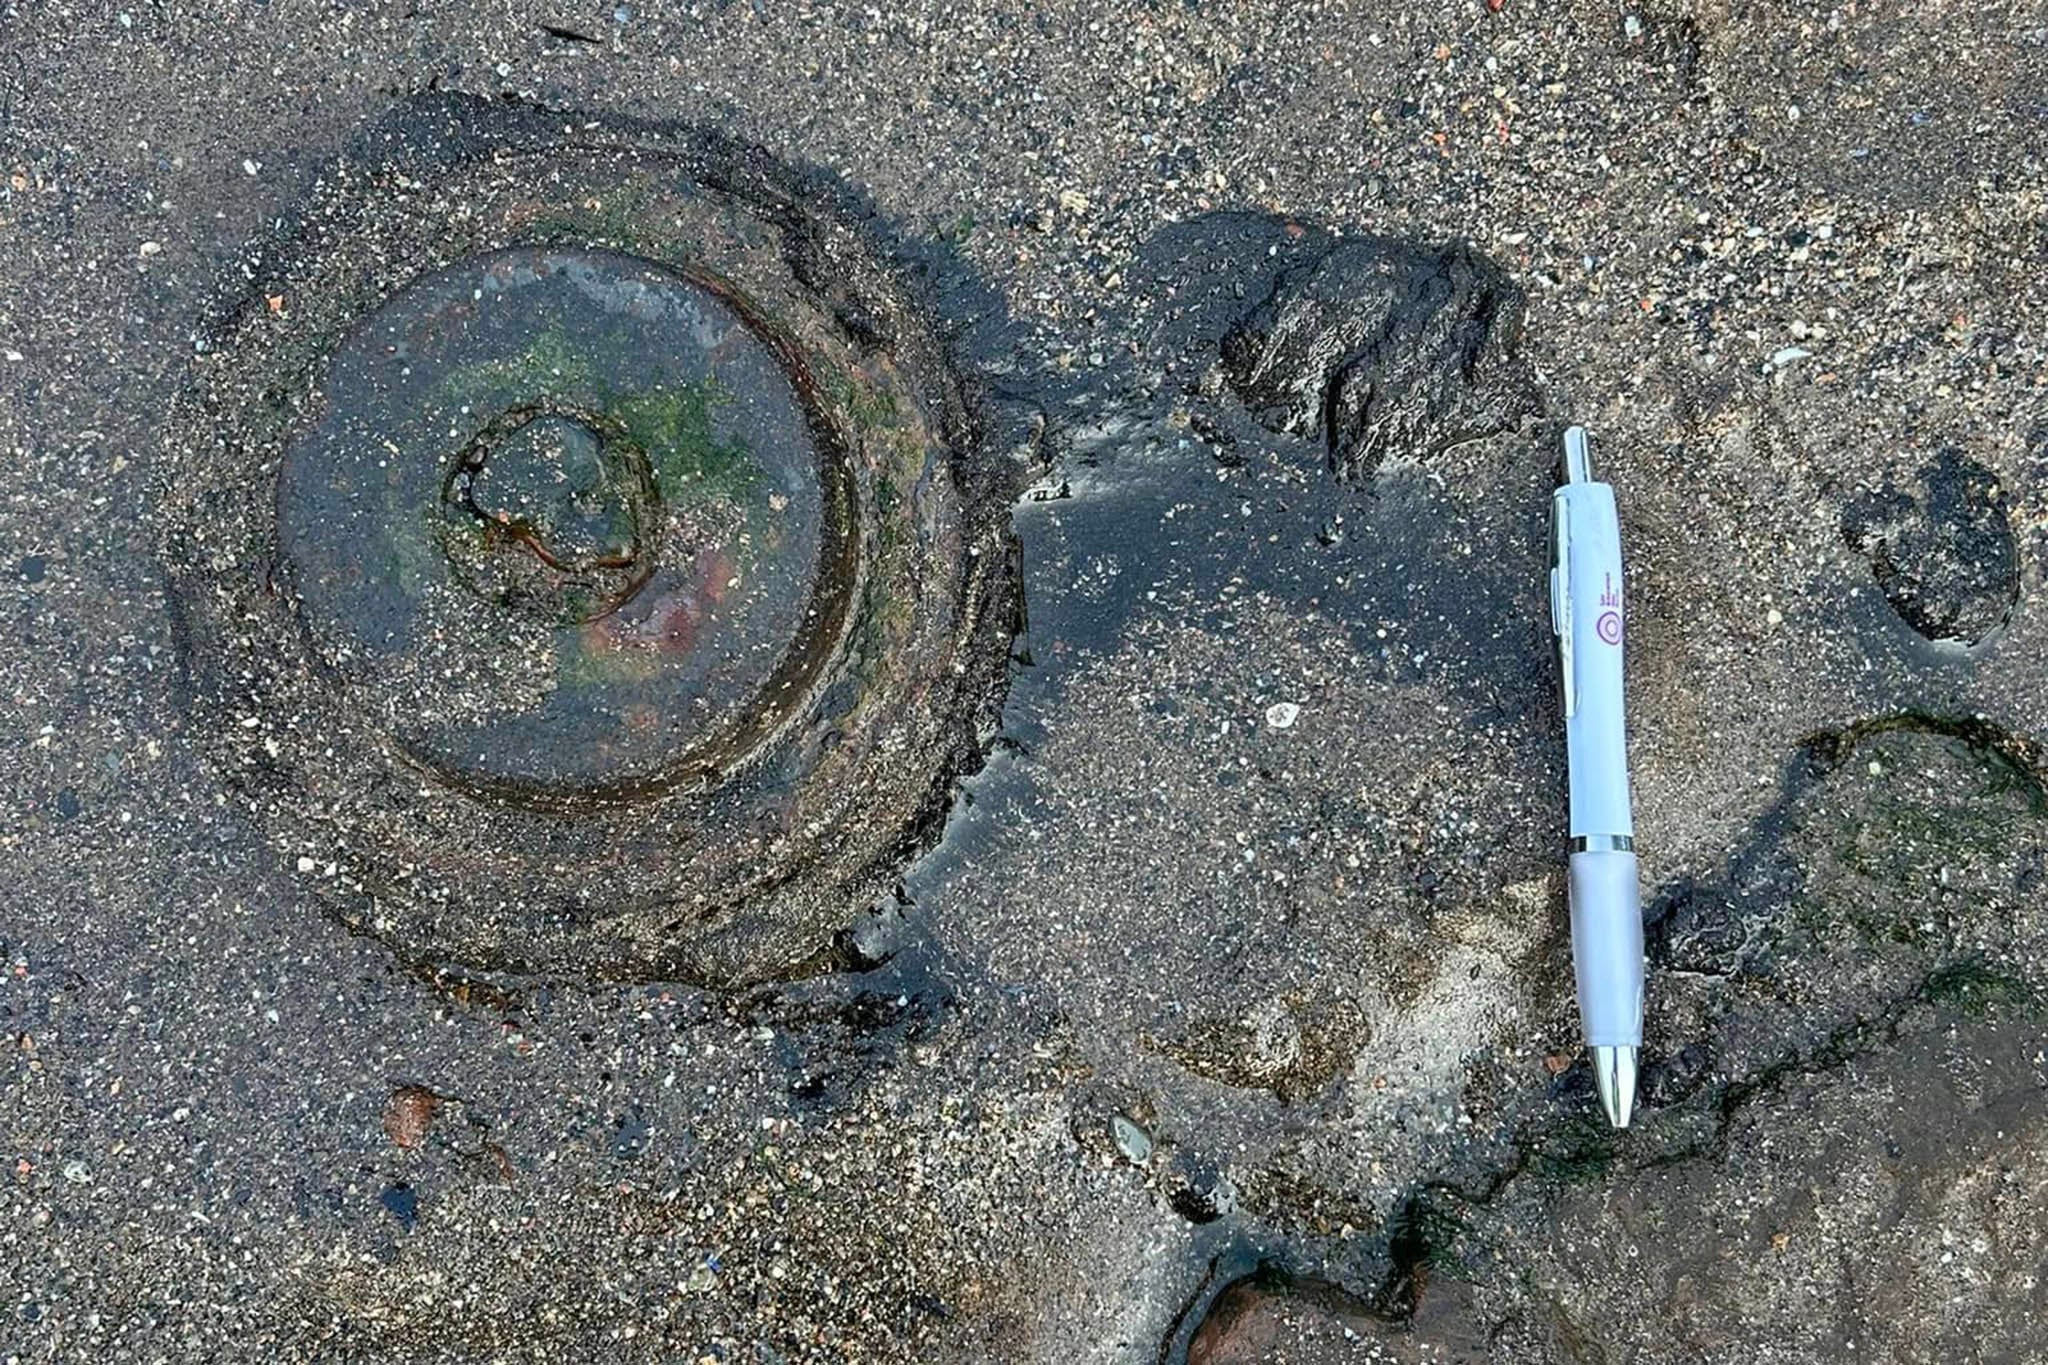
(1131, 1140)
(409, 1113)
(1282, 714)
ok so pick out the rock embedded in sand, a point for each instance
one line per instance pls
(409, 1113)
(1384, 348)
(1266, 1318)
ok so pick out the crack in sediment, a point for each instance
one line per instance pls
(1598, 1149)
(1699, 1118)
(1949, 983)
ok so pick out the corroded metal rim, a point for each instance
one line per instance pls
(740, 861)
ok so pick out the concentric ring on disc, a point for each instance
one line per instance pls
(583, 546)
(565, 521)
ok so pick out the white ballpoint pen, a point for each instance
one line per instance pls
(1587, 614)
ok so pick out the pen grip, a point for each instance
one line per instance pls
(1595, 725)
(1607, 947)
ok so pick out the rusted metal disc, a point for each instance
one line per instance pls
(586, 557)
(563, 519)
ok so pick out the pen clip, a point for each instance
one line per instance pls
(1578, 456)
(1561, 598)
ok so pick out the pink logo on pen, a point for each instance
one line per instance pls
(1608, 627)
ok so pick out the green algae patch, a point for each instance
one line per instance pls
(694, 459)
(1974, 989)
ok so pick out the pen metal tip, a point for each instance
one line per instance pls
(1578, 456)
(1614, 1072)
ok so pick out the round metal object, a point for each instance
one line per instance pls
(563, 517)
(586, 559)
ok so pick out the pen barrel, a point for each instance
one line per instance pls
(1607, 947)
(1595, 722)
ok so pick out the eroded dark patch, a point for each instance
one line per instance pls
(402, 1202)
(1941, 546)
(1383, 348)
(1198, 1188)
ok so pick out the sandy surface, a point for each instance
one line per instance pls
(1244, 954)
